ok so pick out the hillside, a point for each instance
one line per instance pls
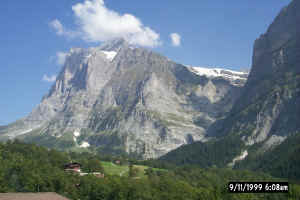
(281, 161)
(29, 168)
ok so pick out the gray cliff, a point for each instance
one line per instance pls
(119, 98)
(268, 110)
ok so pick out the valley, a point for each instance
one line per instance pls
(123, 121)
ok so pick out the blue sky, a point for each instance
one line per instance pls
(212, 33)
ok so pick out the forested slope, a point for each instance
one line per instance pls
(30, 168)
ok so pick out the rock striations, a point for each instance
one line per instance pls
(267, 112)
(119, 98)
(265, 118)
(269, 108)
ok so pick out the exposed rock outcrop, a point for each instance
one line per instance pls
(266, 115)
(120, 98)
(268, 108)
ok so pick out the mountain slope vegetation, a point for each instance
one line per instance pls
(30, 168)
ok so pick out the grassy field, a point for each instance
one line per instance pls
(113, 169)
(123, 170)
(141, 170)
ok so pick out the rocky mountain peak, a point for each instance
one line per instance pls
(114, 45)
(284, 29)
(120, 98)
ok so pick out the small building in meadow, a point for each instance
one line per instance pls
(76, 167)
(73, 167)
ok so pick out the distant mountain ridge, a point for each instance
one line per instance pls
(121, 98)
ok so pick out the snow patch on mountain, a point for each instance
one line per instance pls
(84, 144)
(239, 158)
(219, 72)
(76, 134)
(110, 55)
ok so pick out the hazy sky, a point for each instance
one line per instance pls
(35, 34)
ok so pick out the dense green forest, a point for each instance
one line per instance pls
(31, 168)
(213, 153)
(280, 161)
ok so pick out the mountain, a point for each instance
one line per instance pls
(120, 98)
(268, 109)
(267, 112)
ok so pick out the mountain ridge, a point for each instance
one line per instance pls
(133, 101)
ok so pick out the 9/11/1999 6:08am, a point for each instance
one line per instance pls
(258, 187)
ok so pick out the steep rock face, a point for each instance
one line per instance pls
(119, 98)
(268, 108)
(265, 118)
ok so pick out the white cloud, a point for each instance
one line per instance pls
(49, 79)
(97, 23)
(61, 57)
(176, 39)
(57, 26)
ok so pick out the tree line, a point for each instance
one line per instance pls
(31, 168)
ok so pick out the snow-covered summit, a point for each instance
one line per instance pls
(218, 72)
(234, 76)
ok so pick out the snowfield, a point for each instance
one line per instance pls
(110, 55)
(218, 72)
